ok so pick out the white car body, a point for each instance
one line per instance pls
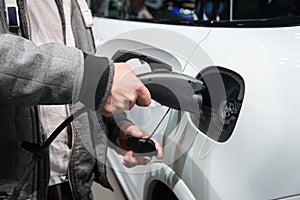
(261, 158)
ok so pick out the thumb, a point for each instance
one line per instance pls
(143, 96)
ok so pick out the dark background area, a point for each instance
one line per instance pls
(173, 9)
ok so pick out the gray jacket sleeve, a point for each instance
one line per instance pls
(47, 74)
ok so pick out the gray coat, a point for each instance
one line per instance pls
(36, 78)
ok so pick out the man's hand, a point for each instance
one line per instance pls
(130, 159)
(127, 90)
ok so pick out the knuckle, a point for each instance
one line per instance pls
(132, 100)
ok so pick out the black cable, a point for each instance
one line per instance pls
(158, 124)
(41, 152)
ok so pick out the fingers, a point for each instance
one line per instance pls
(126, 91)
(144, 96)
(132, 129)
(158, 148)
(137, 132)
(130, 159)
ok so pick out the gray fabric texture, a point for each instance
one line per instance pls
(36, 76)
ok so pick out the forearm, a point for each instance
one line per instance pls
(49, 74)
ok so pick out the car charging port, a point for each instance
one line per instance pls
(221, 102)
(227, 110)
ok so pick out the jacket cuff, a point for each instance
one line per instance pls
(97, 81)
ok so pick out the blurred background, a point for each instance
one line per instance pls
(194, 9)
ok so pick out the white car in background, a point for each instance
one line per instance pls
(246, 142)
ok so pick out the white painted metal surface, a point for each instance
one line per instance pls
(261, 160)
